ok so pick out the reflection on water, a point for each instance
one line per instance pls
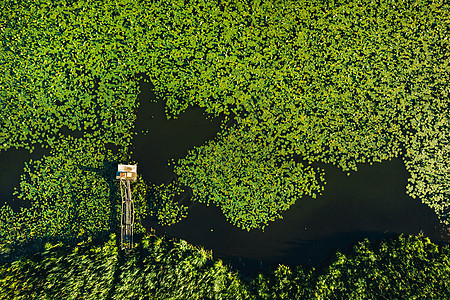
(370, 203)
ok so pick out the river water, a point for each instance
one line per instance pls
(370, 203)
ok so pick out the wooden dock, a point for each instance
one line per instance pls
(126, 174)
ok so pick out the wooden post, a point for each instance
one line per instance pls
(126, 174)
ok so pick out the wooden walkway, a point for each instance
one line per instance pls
(126, 174)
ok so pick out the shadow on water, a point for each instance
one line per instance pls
(36, 245)
(371, 203)
(108, 172)
(12, 162)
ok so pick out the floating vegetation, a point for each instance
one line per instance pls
(246, 177)
(163, 205)
(68, 191)
(427, 160)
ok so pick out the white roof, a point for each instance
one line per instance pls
(127, 168)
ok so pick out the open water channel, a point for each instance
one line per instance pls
(370, 203)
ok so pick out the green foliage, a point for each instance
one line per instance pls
(139, 194)
(283, 283)
(162, 204)
(402, 267)
(67, 191)
(84, 272)
(405, 267)
(157, 201)
(248, 179)
(427, 159)
(59, 67)
(156, 269)
(342, 82)
(175, 270)
(338, 83)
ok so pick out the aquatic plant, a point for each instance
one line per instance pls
(162, 203)
(68, 193)
(427, 160)
(139, 196)
(338, 83)
(250, 180)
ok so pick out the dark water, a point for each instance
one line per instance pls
(12, 162)
(370, 203)
(166, 139)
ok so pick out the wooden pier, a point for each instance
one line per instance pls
(126, 174)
